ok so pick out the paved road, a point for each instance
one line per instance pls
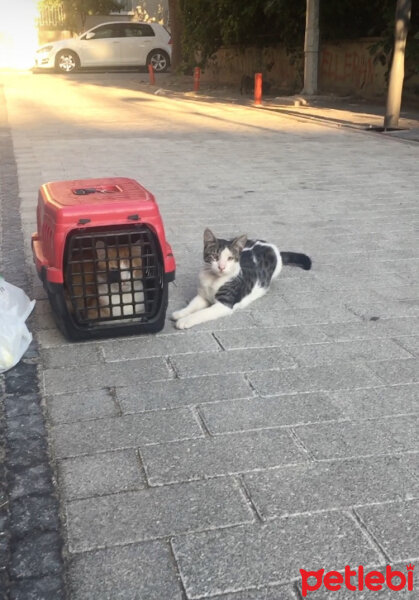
(218, 462)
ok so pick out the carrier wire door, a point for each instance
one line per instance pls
(113, 275)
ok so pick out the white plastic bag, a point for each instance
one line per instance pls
(15, 308)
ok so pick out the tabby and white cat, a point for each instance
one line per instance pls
(236, 272)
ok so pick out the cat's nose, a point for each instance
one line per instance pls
(221, 268)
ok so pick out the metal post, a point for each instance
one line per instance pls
(196, 79)
(151, 74)
(258, 88)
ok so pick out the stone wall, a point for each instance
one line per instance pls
(345, 68)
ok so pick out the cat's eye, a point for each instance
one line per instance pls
(230, 258)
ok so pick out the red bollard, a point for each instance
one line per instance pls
(258, 88)
(196, 78)
(151, 73)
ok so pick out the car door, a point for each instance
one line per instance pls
(138, 41)
(101, 46)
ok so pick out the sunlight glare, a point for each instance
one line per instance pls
(18, 34)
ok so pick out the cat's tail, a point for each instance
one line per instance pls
(296, 260)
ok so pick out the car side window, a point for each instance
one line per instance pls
(107, 31)
(137, 30)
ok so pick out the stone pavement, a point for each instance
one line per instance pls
(218, 462)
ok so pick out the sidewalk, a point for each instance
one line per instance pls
(328, 109)
(216, 463)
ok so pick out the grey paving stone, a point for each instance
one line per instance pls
(227, 454)
(36, 556)
(234, 361)
(330, 486)
(51, 338)
(25, 404)
(155, 513)
(377, 402)
(94, 404)
(97, 474)
(260, 413)
(32, 513)
(21, 379)
(409, 343)
(61, 381)
(349, 439)
(310, 379)
(395, 526)
(125, 573)
(272, 593)
(383, 328)
(259, 555)
(22, 427)
(182, 392)
(404, 431)
(237, 320)
(360, 350)
(31, 480)
(385, 309)
(292, 316)
(337, 281)
(263, 337)
(71, 355)
(162, 345)
(397, 371)
(33, 452)
(118, 433)
(412, 463)
(45, 588)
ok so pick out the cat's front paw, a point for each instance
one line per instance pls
(177, 315)
(184, 323)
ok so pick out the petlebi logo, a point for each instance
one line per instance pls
(357, 579)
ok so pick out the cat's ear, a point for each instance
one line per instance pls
(239, 242)
(100, 250)
(209, 237)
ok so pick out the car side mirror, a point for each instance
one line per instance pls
(90, 35)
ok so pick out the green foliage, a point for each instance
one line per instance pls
(383, 48)
(76, 11)
(210, 24)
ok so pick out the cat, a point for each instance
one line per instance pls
(236, 272)
(106, 279)
(119, 280)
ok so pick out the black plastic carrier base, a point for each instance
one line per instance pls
(114, 283)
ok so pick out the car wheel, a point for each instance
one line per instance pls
(67, 62)
(159, 60)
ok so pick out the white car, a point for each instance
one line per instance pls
(116, 44)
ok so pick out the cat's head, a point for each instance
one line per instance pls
(125, 261)
(223, 256)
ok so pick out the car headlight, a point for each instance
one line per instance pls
(44, 49)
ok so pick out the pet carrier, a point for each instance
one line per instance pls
(102, 255)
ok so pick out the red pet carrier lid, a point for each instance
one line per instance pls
(64, 206)
(91, 192)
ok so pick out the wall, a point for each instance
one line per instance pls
(348, 67)
(345, 68)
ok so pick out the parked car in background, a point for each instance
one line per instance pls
(115, 44)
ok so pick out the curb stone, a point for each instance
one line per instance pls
(31, 562)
